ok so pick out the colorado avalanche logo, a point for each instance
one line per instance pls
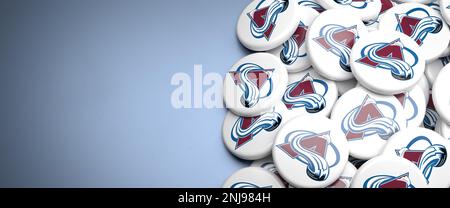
(358, 4)
(418, 23)
(433, 156)
(431, 116)
(408, 103)
(312, 4)
(312, 150)
(247, 185)
(338, 40)
(254, 81)
(367, 119)
(245, 128)
(393, 56)
(387, 181)
(342, 182)
(292, 48)
(302, 94)
(264, 17)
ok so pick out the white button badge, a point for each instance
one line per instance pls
(427, 150)
(255, 84)
(310, 152)
(266, 24)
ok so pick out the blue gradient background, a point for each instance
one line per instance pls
(85, 92)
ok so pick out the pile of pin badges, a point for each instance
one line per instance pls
(341, 94)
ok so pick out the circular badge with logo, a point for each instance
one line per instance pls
(253, 177)
(252, 138)
(293, 52)
(427, 150)
(420, 22)
(445, 10)
(387, 62)
(364, 9)
(441, 94)
(346, 177)
(266, 24)
(309, 93)
(368, 120)
(330, 40)
(414, 105)
(432, 69)
(310, 152)
(388, 172)
(254, 84)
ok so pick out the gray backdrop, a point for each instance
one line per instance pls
(85, 92)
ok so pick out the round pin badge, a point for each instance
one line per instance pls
(443, 129)
(253, 177)
(445, 10)
(309, 93)
(344, 86)
(372, 25)
(433, 68)
(420, 22)
(346, 177)
(266, 24)
(368, 120)
(414, 105)
(330, 40)
(254, 84)
(364, 9)
(310, 152)
(427, 150)
(431, 116)
(387, 62)
(441, 94)
(268, 164)
(388, 172)
(311, 4)
(251, 138)
(293, 52)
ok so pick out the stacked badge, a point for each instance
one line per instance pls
(340, 94)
